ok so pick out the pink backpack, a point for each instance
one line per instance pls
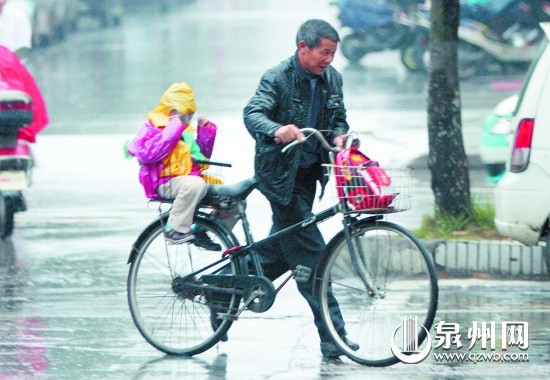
(361, 181)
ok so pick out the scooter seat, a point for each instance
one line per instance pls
(15, 113)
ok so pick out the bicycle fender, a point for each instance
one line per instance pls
(152, 226)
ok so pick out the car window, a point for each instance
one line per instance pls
(529, 74)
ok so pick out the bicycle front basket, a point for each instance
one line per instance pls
(371, 188)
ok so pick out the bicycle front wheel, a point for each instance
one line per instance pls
(177, 322)
(370, 284)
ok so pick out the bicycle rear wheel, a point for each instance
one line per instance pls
(386, 276)
(176, 322)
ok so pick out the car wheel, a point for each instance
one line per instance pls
(494, 170)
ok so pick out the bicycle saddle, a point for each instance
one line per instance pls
(238, 191)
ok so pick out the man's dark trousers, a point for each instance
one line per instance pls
(303, 248)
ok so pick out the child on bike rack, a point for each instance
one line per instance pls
(166, 148)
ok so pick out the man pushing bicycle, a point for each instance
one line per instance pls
(302, 91)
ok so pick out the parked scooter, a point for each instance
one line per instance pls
(505, 37)
(23, 115)
(16, 160)
(373, 26)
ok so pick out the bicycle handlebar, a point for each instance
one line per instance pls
(214, 163)
(320, 137)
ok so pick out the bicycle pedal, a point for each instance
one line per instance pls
(302, 273)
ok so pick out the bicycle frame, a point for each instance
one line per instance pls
(202, 291)
(252, 247)
(252, 267)
(289, 231)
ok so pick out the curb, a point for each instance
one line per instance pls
(488, 259)
(456, 258)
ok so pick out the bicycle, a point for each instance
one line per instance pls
(377, 272)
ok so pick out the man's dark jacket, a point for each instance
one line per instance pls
(282, 98)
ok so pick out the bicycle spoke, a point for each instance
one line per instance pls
(172, 320)
(384, 275)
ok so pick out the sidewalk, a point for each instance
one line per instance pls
(502, 258)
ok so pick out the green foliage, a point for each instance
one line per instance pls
(479, 224)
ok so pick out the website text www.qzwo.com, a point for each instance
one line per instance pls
(472, 357)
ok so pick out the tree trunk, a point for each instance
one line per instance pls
(447, 158)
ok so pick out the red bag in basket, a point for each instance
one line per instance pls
(361, 181)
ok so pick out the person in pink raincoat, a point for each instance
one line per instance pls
(15, 76)
(166, 148)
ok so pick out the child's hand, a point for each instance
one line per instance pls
(202, 120)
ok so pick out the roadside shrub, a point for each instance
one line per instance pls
(478, 225)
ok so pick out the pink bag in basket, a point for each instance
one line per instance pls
(361, 181)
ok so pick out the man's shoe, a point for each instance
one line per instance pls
(331, 352)
(175, 237)
(203, 241)
(216, 323)
(354, 346)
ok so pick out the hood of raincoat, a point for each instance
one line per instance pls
(15, 76)
(178, 96)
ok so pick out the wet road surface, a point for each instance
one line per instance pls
(64, 315)
(63, 309)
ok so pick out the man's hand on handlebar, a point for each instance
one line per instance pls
(288, 133)
(340, 141)
(291, 135)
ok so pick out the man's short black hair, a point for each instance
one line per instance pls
(312, 31)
